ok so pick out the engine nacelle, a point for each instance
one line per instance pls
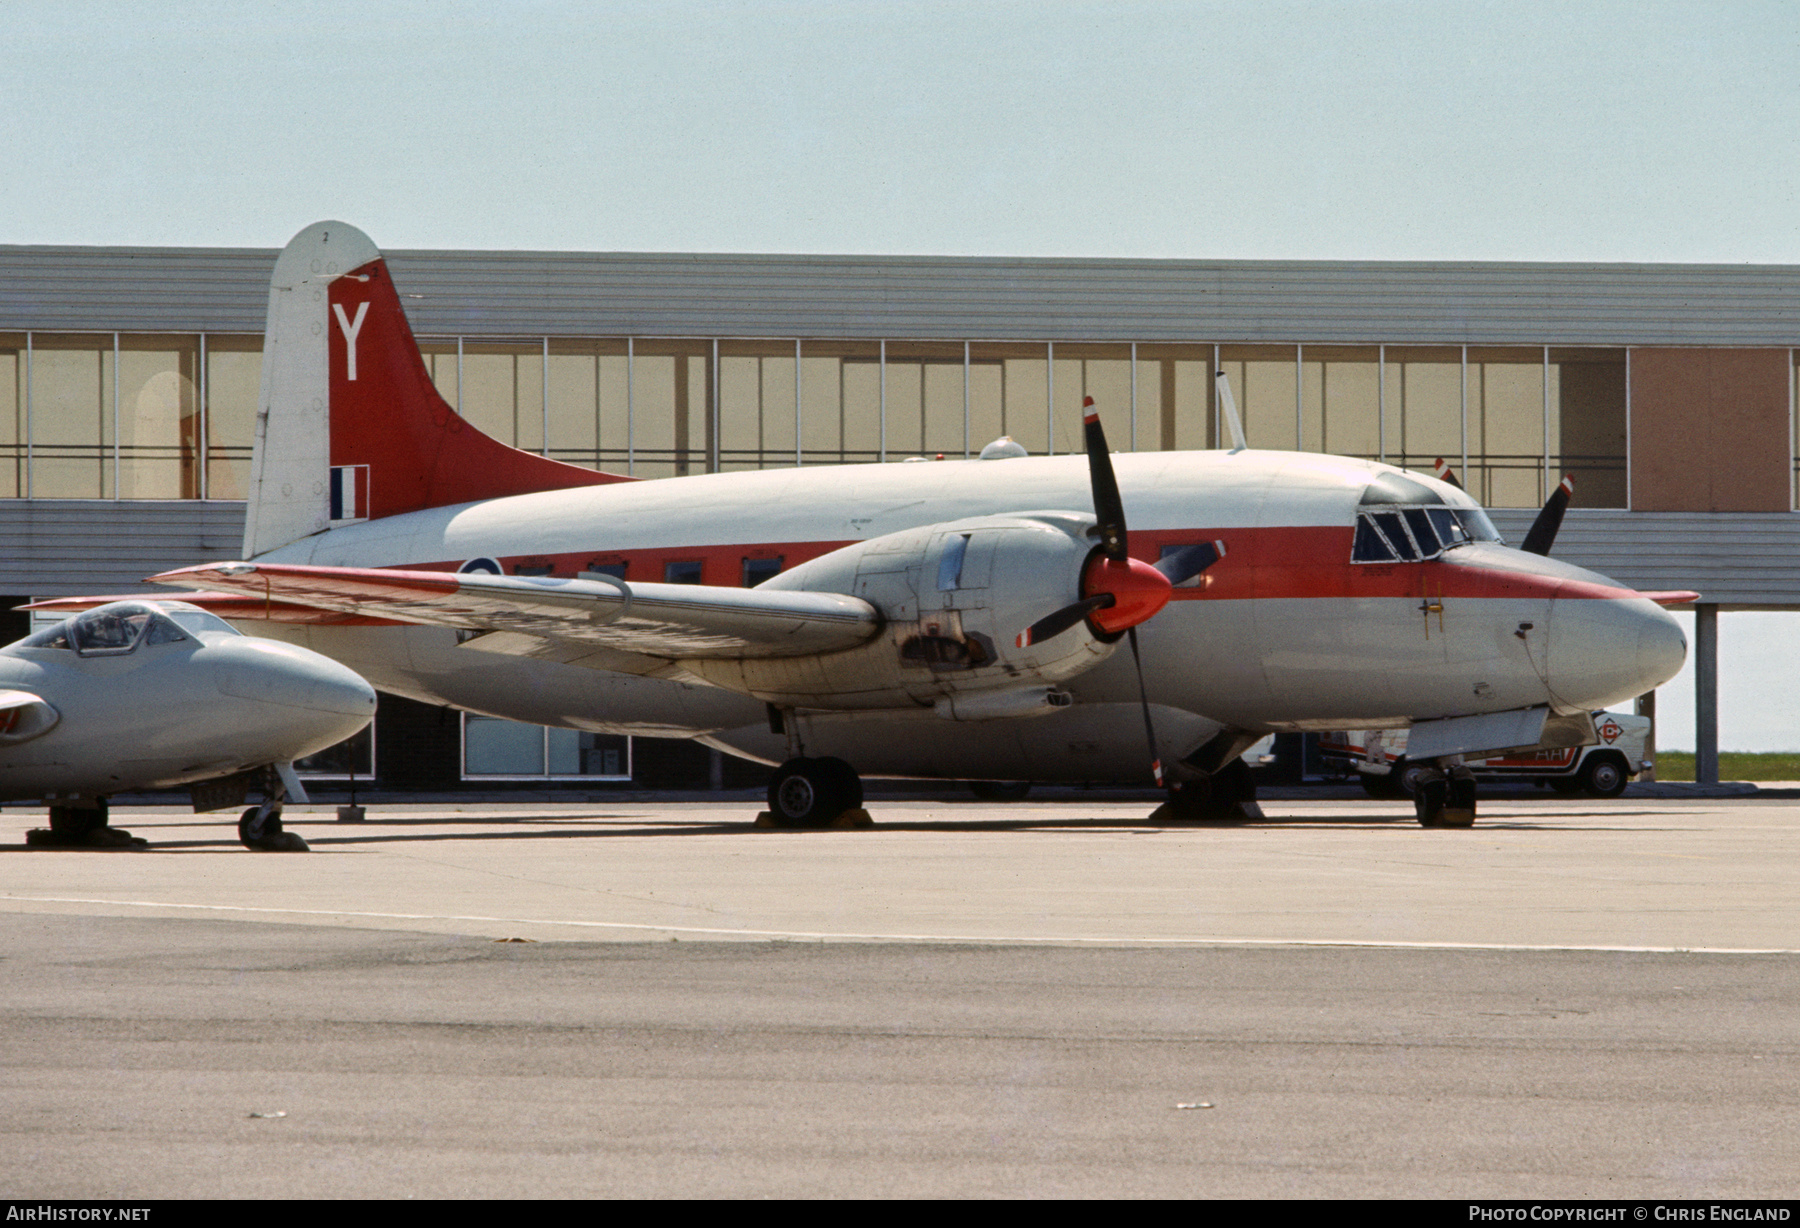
(955, 597)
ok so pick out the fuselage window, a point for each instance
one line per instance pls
(758, 570)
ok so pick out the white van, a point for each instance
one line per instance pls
(1378, 756)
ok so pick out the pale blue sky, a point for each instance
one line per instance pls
(1412, 131)
(1518, 130)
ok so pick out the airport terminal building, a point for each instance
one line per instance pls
(129, 378)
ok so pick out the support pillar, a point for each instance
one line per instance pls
(1646, 707)
(1706, 694)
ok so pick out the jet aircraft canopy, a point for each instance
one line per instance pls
(121, 627)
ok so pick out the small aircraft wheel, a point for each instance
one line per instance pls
(1000, 790)
(1603, 776)
(73, 823)
(1429, 798)
(844, 781)
(803, 794)
(254, 835)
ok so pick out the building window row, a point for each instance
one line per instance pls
(171, 416)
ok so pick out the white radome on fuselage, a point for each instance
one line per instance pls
(1255, 660)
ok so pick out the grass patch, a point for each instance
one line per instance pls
(1733, 765)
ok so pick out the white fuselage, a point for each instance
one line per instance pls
(1285, 633)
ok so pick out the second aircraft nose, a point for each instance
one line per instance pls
(292, 677)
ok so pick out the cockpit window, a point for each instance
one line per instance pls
(1414, 534)
(110, 630)
(193, 618)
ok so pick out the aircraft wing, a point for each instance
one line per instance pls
(671, 621)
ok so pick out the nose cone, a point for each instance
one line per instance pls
(305, 701)
(1606, 651)
(1662, 649)
(290, 676)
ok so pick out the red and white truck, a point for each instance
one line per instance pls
(1378, 756)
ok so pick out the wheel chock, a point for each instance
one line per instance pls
(850, 820)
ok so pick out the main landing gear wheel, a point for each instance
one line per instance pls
(260, 829)
(1444, 801)
(82, 827)
(1219, 798)
(812, 792)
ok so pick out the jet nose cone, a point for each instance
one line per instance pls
(292, 677)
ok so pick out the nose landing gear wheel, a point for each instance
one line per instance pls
(260, 828)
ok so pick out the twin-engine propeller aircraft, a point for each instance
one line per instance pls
(153, 694)
(956, 620)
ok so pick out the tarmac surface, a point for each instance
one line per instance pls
(1575, 998)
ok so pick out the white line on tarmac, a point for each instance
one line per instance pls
(824, 936)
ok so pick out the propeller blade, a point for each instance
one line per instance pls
(1063, 619)
(1446, 474)
(1543, 530)
(1190, 561)
(1144, 699)
(1109, 508)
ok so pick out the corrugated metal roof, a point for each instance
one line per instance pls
(617, 294)
(66, 547)
(1732, 559)
(77, 547)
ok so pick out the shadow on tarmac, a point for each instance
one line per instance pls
(324, 833)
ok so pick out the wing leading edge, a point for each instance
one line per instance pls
(670, 621)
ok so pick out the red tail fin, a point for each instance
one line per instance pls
(387, 415)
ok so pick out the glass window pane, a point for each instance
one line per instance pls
(159, 421)
(1177, 408)
(1587, 414)
(840, 395)
(439, 354)
(493, 747)
(589, 755)
(233, 382)
(925, 398)
(1099, 371)
(1262, 380)
(671, 391)
(756, 404)
(1341, 413)
(1506, 426)
(588, 409)
(71, 415)
(503, 390)
(1009, 394)
(12, 415)
(1424, 405)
